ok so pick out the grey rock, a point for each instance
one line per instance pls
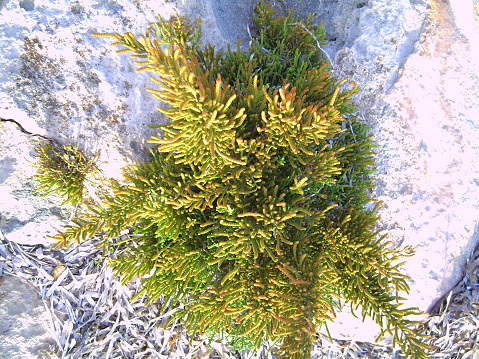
(65, 84)
(423, 110)
(428, 183)
(24, 322)
(25, 215)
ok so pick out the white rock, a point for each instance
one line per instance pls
(25, 324)
(429, 146)
(26, 216)
(427, 130)
(63, 83)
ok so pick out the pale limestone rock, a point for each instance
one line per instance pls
(24, 324)
(65, 84)
(25, 216)
(426, 125)
(428, 142)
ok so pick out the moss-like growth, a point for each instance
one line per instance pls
(254, 213)
(62, 170)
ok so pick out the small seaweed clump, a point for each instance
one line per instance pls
(63, 170)
(253, 217)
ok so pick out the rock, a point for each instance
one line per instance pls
(26, 217)
(413, 60)
(25, 323)
(430, 183)
(424, 120)
(63, 83)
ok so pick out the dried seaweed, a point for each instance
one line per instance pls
(92, 314)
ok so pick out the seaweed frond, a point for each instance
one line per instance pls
(254, 212)
(62, 170)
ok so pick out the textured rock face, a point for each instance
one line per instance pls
(413, 59)
(24, 329)
(25, 216)
(425, 122)
(430, 183)
(60, 81)
(423, 114)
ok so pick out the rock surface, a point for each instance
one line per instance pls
(430, 184)
(25, 216)
(413, 60)
(420, 95)
(24, 322)
(60, 81)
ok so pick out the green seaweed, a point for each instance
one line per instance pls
(63, 170)
(254, 212)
